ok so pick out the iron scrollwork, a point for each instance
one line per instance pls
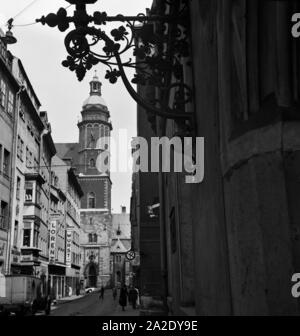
(158, 43)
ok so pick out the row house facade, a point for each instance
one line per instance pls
(8, 92)
(39, 218)
(32, 154)
(57, 239)
(68, 273)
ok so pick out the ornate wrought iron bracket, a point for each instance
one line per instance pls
(158, 42)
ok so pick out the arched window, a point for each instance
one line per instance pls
(91, 200)
(102, 131)
(90, 238)
(92, 163)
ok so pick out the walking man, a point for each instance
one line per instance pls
(123, 297)
(115, 293)
(101, 293)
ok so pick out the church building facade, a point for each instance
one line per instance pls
(95, 212)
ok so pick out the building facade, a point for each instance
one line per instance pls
(67, 276)
(95, 208)
(8, 95)
(120, 245)
(33, 151)
(231, 242)
(57, 238)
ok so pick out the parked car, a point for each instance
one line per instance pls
(90, 290)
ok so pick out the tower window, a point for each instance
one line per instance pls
(92, 163)
(93, 238)
(91, 200)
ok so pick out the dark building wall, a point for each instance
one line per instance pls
(209, 226)
(245, 210)
(237, 252)
(149, 228)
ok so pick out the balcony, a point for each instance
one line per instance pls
(3, 222)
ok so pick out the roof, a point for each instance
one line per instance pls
(68, 151)
(75, 182)
(121, 245)
(121, 221)
(22, 69)
(95, 100)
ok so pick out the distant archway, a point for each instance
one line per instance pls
(91, 274)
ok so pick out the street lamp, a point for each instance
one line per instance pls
(159, 43)
(9, 38)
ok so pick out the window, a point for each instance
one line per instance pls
(6, 160)
(22, 113)
(91, 200)
(3, 215)
(3, 93)
(36, 236)
(20, 148)
(92, 163)
(26, 237)
(18, 188)
(93, 238)
(28, 192)
(38, 195)
(16, 230)
(0, 158)
(27, 157)
(10, 106)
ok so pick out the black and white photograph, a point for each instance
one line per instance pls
(149, 162)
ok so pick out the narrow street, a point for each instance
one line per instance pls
(90, 305)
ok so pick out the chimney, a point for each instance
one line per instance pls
(123, 208)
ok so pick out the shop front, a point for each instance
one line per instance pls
(73, 284)
(57, 279)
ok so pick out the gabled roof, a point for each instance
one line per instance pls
(120, 245)
(68, 151)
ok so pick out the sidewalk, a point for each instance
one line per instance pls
(69, 298)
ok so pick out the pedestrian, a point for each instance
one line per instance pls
(115, 293)
(101, 293)
(123, 297)
(130, 294)
(138, 297)
(133, 295)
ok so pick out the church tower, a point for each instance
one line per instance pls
(96, 184)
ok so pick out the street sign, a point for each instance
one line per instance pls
(130, 255)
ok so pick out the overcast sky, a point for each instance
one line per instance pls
(42, 50)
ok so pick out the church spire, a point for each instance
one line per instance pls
(95, 85)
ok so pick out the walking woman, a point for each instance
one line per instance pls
(123, 297)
